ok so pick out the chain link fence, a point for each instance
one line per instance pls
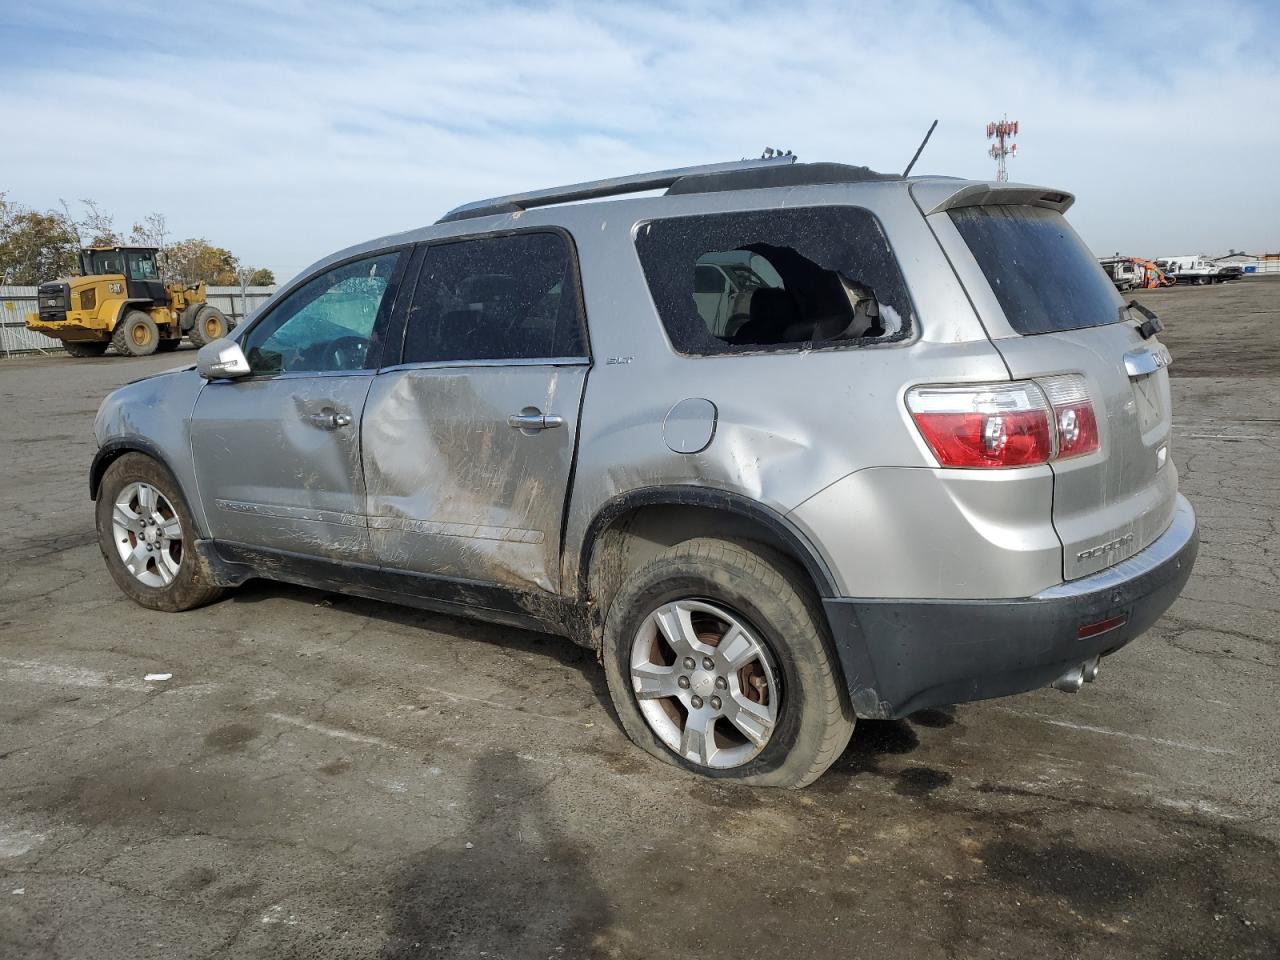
(17, 302)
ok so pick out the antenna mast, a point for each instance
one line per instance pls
(1002, 132)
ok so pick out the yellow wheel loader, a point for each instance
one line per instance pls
(120, 301)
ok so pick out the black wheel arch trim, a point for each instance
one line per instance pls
(117, 447)
(132, 303)
(714, 498)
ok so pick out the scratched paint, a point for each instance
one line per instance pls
(453, 489)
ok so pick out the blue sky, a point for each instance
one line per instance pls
(285, 131)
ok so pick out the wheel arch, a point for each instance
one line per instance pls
(634, 526)
(133, 303)
(114, 449)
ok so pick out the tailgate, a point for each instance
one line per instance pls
(1110, 504)
(1050, 309)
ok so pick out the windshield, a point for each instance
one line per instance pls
(1044, 276)
(102, 262)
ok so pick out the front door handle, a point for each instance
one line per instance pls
(530, 418)
(329, 419)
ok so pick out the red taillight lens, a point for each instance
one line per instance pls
(1014, 424)
(984, 425)
(1073, 416)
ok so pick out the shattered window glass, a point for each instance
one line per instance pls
(496, 298)
(325, 325)
(806, 278)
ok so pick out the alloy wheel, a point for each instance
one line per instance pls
(147, 534)
(705, 683)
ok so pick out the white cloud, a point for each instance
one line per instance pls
(287, 131)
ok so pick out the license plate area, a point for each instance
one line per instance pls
(1146, 396)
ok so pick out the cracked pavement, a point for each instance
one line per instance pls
(329, 777)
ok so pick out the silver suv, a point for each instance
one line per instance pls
(787, 445)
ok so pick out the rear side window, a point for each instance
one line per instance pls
(496, 298)
(1044, 276)
(771, 280)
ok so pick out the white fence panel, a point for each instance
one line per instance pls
(17, 302)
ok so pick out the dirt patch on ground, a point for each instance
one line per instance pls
(1223, 330)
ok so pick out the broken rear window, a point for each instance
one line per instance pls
(769, 280)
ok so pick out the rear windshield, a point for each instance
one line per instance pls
(1040, 270)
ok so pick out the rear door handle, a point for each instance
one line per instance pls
(531, 419)
(329, 419)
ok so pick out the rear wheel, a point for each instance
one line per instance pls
(85, 348)
(136, 335)
(209, 324)
(718, 662)
(146, 534)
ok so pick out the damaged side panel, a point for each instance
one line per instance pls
(278, 464)
(453, 488)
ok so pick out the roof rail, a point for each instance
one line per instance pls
(597, 189)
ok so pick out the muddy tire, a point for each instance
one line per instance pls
(676, 638)
(146, 534)
(208, 324)
(136, 335)
(85, 348)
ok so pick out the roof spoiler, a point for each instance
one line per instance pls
(935, 196)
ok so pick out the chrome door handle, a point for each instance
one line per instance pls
(534, 421)
(329, 420)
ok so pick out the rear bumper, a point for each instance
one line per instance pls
(900, 656)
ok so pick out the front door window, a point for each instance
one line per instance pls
(327, 324)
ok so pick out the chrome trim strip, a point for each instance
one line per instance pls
(279, 511)
(1164, 548)
(442, 528)
(522, 362)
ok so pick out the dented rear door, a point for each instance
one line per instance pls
(469, 441)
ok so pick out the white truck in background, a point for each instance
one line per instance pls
(1195, 269)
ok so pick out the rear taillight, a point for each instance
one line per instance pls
(1073, 417)
(1014, 424)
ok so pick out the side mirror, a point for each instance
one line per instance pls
(221, 360)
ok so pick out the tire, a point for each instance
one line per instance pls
(209, 324)
(158, 576)
(727, 583)
(85, 348)
(168, 346)
(136, 335)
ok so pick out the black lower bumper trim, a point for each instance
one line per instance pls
(900, 656)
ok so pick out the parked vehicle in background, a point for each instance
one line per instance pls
(121, 301)
(787, 446)
(1134, 273)
(1195, 269)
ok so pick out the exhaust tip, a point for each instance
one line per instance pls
(1071, 680)
(1090, 670)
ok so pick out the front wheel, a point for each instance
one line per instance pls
(718, 662)
(146, 535)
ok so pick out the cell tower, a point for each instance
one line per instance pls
(1001, 131)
